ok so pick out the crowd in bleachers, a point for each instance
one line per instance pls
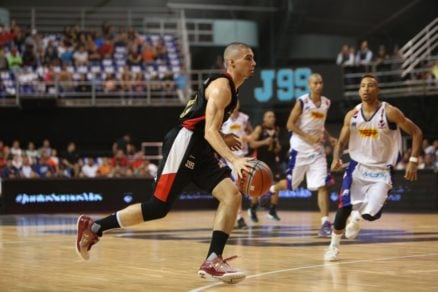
(365, 60)
(75, 60)
(46, 162)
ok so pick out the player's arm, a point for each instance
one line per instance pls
(292, 124)
(342, 142)
(219, 96)
(254, 142)
(396, 116)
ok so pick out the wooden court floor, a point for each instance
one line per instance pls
(397, 253)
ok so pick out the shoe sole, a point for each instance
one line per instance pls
(86, 256)
(273, 218)
(228, 279)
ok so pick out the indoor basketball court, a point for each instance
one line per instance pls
(395, 253)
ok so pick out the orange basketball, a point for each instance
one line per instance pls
(258, 181)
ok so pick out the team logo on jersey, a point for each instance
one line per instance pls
(368, 133)
(317, 115)
(355, 114)
(235, 127)
(381, 124)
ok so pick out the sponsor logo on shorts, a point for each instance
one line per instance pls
(375, 174)
(190, 164)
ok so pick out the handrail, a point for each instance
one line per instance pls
(419, 47)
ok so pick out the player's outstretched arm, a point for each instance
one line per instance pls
(396, 116)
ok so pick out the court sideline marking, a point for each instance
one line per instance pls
(314, 266)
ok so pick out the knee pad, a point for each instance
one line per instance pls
(368, 217)
(341, 217)
(154, 209)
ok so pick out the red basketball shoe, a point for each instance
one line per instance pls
(217, 268)
(85, 237)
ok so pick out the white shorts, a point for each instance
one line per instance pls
(314, 166)
(365, 188)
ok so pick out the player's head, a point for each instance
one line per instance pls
(369, 88)
(239, 59)
(316, 84)
(269, 119)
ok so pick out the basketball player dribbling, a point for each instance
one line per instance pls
(189, 156)
(372, 132)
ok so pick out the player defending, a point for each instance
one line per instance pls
(264, 139)
(189, 156)
(372, 132)
(307, 155)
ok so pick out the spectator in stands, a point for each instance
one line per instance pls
(160, 50)
(65, 52)
(381, 62)
(65, 78)
(39, 86)
(134, 58)
(2, 161)
(364, 57)
(433, 74)
(16, 148)
(155, 84)
(182, 87)
(19, 39)
(3, 59)
(105, 168)
(126, 79)
(345, 58)
(9, 171)
(219, 63)
(29, 57)
(17, 161)
(168, 84)
(143, 167)
(106, 49)
(122, 143)
(50, 78)
(51, 55)
(14, 59)
(120, 165)
(148, 54)
(32, 153)
(44, 169)
(83, 85)
(45, 148)
(26, 80)
(90, 168)
(70, 160)
(6, 36)
(81, 57)
(27, 169)
(139, 83)
(110, 84)
(53, 160)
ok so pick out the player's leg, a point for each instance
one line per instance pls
(170, 181)
(252, 211)
(241, 224)
(211, 177)
(273, 207)
(344, 209)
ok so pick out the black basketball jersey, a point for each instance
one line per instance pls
(266, 153)
(193, 116)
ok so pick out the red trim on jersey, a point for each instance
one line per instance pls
(164, 185)
(191, 123)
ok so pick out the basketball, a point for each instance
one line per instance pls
(258, 181)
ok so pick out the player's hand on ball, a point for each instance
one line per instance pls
(242, 164)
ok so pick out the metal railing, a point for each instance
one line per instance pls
(392, 83)
(419, 47)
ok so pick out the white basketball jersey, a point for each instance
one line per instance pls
(374, 142)
(311, 121)
(237, 127)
